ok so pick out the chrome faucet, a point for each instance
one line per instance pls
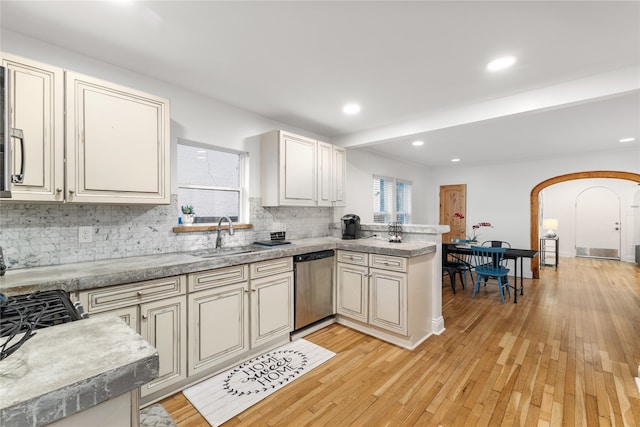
(219, 238)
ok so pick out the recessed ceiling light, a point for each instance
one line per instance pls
(501, 63)
(351, 109)
(623, 140)
(455, 160)
(417, 143)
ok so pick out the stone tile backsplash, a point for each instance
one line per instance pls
(33, 235)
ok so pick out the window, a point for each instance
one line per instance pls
(391, 199)
(211, 180)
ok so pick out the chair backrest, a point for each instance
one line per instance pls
(488, 260)
(496, 244)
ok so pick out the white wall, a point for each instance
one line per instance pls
(500, 194)
(559, 201)
(362, 165)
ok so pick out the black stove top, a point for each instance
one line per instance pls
(21, 315)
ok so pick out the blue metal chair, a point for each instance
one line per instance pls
(490, 266)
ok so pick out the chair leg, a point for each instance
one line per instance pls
(464, 285)
(476, 286)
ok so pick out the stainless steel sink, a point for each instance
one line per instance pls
(220, 252)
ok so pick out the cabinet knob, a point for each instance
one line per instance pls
(145, 317)
(71, 191)
(140, 293)
(58, 190)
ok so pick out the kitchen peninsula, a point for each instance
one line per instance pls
(410, 270)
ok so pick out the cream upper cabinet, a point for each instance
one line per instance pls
(325, 174)
(288, 170)
(339, 175)
(113, 146)
(36, 110)
(299, 171)
(117, 143)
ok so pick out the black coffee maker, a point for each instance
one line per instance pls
(350, 227)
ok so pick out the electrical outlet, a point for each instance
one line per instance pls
(85, 234)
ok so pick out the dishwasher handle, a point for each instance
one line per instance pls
(313, 256)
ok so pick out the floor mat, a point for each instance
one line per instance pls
(229, 393)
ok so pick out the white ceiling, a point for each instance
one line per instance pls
(299, 62)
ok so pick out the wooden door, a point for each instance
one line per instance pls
(453, 200)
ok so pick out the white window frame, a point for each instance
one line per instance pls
(243, 178)
(393, 212)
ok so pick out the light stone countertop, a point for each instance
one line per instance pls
(96, 274)
(72, 367)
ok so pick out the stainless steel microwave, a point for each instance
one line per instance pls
(5, 141)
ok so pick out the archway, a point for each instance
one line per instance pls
(534, 204)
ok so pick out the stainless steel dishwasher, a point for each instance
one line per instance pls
(313, 287)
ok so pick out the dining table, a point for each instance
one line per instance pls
(510, 254)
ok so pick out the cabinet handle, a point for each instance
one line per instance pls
(145, 317)
(140, 293)
(58, 190)
(246, 291)
(71, 191)
(18, 178)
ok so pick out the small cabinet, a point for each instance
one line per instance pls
(549, 252)
(218, 316)
(117, 143)
(156, 309)
(300, 171)
(373, 289)
(271, 300)
(36, 109)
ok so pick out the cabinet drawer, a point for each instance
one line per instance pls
(357, 258)
(218, 277)
(102, 299)
(388, 262)
(273, 266)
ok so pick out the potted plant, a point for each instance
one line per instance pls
(189, 215)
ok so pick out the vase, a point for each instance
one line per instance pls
(188, 218)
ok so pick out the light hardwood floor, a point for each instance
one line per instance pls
(566, 354)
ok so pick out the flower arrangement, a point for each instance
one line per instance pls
(476, 227)
(458, 215)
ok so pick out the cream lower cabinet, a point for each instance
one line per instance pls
(218, 316)
(384, 296)
(230, 316)
(156, 309)
(271, 298)
(373, 295)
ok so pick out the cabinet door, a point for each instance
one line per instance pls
(388, 303)
(36, 103)
(164, 325)
(117, 143)
(128, 314)
(218, 325)
(339, 175)
(353, 293)
(271, 307)
(297, 171)
(325, 174)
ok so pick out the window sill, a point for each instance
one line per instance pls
(191, 228)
